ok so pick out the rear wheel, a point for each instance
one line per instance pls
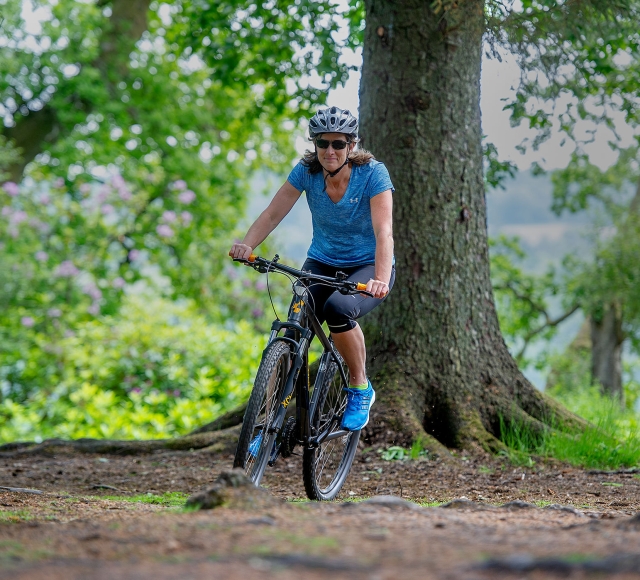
(325, 468)
(255, 444)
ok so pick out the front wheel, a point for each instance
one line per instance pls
(256, 444)
(325, 468)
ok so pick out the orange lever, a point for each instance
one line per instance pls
(361, 286)
(252, 258)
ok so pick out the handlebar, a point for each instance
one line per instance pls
(342, 285)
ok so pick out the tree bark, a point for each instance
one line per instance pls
(35, 130)
(436, 354)
(606, 351)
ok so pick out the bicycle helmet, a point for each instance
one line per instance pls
(333, 120)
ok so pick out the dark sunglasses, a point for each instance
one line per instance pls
(337, 145)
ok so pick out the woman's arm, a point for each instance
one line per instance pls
(381, 218)
(267, 221)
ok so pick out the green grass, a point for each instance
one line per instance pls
(610, 442)
(15, 516)
(167, 499)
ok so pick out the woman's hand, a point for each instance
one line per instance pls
(240, 251)
(378, 288)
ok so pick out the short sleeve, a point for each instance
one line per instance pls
(297, 177)
(380, 180)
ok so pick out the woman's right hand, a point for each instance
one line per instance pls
(240, 251)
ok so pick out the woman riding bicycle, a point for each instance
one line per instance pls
(350, 198)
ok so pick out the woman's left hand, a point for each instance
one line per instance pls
(378, 288)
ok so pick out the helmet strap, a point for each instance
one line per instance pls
(333, 173)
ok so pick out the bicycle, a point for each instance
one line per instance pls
(268, 430)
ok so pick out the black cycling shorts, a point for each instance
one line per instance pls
(339, 310)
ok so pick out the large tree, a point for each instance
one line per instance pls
(437, 354)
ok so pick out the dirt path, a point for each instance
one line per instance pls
(121, 517)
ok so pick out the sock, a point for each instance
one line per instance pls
(359, 387)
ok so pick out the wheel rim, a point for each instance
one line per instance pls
(253, 465)
(329, 457)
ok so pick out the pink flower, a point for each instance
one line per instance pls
(94, 309)
(257, 312)
(118, 283)
(260, 285)
(180, 184)
(27, 321)
(6, 211)
(85, 188)
(45, 199)
(58, 182)
(11, 188)
(107, 209)
(66, 270)
(187, 197)
(169, 216)
(176, 392)
(186, 217)
(54, 312)
(136, 390)
(125, 194)
(164, 231)
(134, 255)
(117, 181)
(42, 256)
(18, 217)
(93, 291)
(246, 283)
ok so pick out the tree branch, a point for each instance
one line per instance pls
(550, 323)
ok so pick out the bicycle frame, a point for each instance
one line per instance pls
(300, 316)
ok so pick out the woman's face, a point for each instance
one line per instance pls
(330, 158)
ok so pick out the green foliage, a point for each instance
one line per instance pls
(610, 442)
(157, 369)
(495, 171)
(612, 276)
(522, 299)
(397, 453)
(588, 51)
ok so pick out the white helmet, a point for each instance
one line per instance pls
(333, 120)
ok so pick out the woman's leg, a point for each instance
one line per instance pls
(341, 312)
(350, 345)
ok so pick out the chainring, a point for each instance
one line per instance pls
(288, 437)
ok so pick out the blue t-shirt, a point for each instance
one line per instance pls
(342, 232)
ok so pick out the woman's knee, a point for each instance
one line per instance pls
(338, 315)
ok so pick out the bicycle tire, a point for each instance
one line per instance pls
(326, 467)
(263, 403)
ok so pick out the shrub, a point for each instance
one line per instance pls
(156, 369)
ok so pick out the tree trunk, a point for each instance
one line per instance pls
(606, 351)
(436, 353)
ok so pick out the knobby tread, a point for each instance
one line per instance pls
(268, 365)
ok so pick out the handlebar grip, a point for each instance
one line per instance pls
(361, 286)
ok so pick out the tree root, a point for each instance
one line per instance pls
(214, 442)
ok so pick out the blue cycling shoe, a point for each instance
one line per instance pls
(254, 446)
(359, 401)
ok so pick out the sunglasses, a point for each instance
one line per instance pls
(337, 145)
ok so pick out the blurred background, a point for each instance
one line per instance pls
(139, 140)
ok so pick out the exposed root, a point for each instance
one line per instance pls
(548, 411)
(219, 441)
(473, 434)
(229, 419)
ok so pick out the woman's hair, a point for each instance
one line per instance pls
(357, 157)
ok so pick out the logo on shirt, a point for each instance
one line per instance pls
(353, 200)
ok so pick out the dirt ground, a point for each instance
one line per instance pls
(88, 516)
